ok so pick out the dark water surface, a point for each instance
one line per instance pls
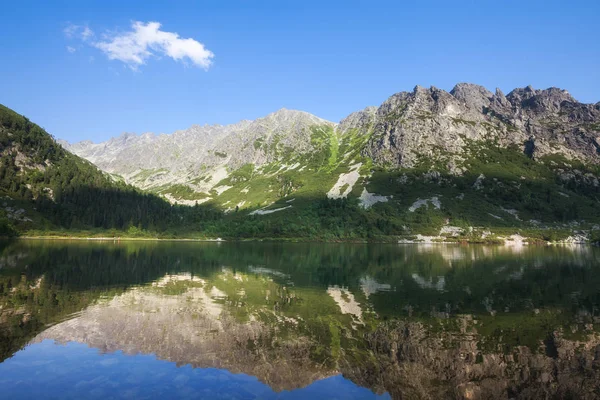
(294, 321)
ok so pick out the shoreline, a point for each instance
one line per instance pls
(116, 239)
(505, 243)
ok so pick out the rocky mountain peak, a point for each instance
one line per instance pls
(419, 89)
(285, 116)
(474, 96)
(357, 119)
(123, 138)
(499, 100)
(540, 101)
(291, 127)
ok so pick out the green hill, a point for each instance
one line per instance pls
(45, 187)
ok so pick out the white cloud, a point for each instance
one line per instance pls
(145, 40)
(86, 33)
(71, 49)
(82, 32)
(69, 31)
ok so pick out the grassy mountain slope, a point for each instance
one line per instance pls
(502, 192)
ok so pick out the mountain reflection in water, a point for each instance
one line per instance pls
(309, 320)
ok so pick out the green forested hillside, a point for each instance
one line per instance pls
(55, 188)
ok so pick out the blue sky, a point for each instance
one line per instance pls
(329, 58)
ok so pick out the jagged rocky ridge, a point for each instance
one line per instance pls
(409, 126)
(426, 121)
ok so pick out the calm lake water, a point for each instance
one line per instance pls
(185, 320)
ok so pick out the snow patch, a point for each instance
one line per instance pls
(345, 180)
(423, 202)
(185, 202)
(368, 199)
(264, 212)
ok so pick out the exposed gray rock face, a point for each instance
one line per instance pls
(473, 96)
(283, 129)
(208, 150)
(363, 119)
(426, 122)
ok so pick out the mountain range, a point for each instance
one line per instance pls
(408, 128)
(425, 165)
